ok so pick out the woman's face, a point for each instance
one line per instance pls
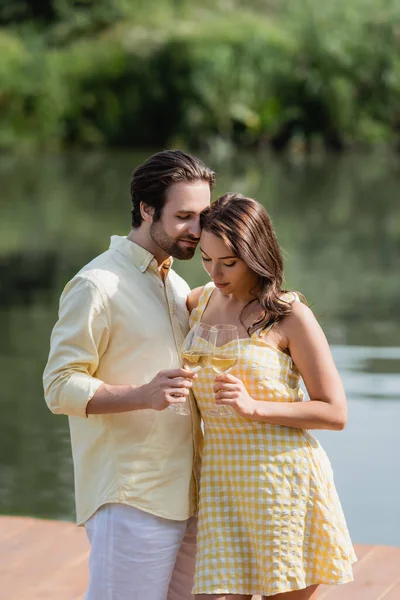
(230, 274)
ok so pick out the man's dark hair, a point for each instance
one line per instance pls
(151, 180)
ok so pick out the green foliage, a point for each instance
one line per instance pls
(251, 74)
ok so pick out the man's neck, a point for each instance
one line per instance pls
(141, 238)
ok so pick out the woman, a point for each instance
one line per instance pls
(270, 520)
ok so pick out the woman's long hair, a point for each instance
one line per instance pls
(245, 227)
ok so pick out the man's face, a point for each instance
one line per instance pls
(177, 232)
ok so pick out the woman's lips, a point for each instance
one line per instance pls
(220, 285)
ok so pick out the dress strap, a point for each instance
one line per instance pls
(197, 313)
(291, 297)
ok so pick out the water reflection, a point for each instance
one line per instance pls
(364, 455)
(339, 223)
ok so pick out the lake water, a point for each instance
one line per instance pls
(338, 221)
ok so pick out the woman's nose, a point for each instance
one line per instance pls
(215, 271)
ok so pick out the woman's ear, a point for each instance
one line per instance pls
(146, 212)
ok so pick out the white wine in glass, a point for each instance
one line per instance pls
(194, 361)
(196, 352)
(225, 357)
(223, 364)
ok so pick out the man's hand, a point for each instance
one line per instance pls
(166, 388)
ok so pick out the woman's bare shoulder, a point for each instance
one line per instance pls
(193, 298)
(301, 322)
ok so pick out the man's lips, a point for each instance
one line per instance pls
(190, 242)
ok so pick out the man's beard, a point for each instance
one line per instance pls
(171, 245)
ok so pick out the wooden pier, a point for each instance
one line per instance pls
(48, 560)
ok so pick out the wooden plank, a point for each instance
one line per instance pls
(373, 577)
(67, 583)
(362, 550)
(10, 526)
(48, 560)
(334, 591)
(393, 593)
(37, 553)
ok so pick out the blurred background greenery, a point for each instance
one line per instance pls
(296, 103)
(255, 73)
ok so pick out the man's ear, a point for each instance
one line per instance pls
(146, 212)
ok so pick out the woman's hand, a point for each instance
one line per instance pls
(231, 391)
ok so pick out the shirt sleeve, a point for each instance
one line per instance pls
(78, 340)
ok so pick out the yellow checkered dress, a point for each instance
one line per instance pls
(270, 520)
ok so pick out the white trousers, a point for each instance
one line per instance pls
(138, 556)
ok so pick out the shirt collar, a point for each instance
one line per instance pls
(139, 256)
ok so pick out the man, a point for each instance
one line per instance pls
(113, 368)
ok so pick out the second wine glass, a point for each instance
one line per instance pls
(225, 357)
(196, 353)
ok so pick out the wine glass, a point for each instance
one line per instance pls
(196, 352)
(225, 357)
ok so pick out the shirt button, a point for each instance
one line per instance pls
(142, 268)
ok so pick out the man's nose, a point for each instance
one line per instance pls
(195, 229)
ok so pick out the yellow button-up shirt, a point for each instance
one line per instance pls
(119, 323)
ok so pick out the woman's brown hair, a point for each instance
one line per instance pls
(245, 227)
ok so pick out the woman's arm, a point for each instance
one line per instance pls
(193, 298)
(309, 349)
